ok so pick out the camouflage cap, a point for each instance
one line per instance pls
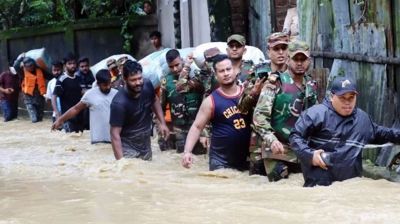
(211, 52)
(122, 60)
(297, 46)
(111, 63)
(277, 38)
(238, 38)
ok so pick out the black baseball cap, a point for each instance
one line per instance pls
(343, 85)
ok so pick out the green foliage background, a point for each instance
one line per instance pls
(26, 13)
(23, 13)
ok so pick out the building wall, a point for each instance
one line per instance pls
(194, 22)
(281, 6)
(95, 39)
(239, 12)
(166, 22)
(200, 22)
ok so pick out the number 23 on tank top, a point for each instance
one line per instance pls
(239, 123)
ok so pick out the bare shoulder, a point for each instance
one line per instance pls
(206, 107)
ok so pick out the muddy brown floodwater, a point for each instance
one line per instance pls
(53, 177)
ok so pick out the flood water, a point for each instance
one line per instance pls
(53, 177)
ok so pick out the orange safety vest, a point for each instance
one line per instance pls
(30, 81)
(167, 116)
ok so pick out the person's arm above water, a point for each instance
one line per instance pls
(262, 118)
(54, 105)
(156, 107)
(250, 95)
(202, 119)
(298, 142)
(17, 65)
(72, 112)
(163, 94)
(383, 134)
(116, 144)
(186, 83)
(118, 116)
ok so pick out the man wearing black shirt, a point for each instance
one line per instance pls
(68, 89)
(86, 77)
(131, 115)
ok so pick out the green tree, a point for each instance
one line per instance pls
(22, 13)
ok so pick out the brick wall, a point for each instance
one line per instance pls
(281, 7)
(239, 13)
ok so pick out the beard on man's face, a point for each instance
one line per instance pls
(105, 91)
(135, 88)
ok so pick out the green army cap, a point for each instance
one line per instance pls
(277, 38)
(298, 46)
(238, 38)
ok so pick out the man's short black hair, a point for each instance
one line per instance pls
(218, 58)
(155, 34)
(69, 57)
(172, 55)
(131, 68)
(103, 76)
(83, 59)
(57, 64)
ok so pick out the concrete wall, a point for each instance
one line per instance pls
(165, 11)
(96, 39)
(195, 25)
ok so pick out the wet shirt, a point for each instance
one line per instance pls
(69, 90)
(8, 80)
(230, 136)
(321, 127)
(134, 115)
(99, 108)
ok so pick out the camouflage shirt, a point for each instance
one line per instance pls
(207, 78)
(185, 103)
(247, 102)
(280, 105)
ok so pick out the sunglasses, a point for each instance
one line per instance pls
(280, 47)
(233, 45)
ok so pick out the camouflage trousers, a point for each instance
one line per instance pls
(264, 162)
(177, 140)
(180, 137)
(35, 106)
(168, 144)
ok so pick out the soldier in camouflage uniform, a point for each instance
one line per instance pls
(280, 103)
(277, 51)
(277, 44)
(206, 73)
(184, 95)
(235, 51)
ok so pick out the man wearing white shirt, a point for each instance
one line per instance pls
(56, 70)
(98, 100)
